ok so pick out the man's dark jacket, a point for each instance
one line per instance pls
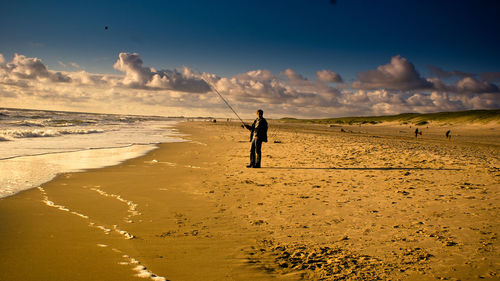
(258, 128)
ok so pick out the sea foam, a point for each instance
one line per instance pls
(37, 145)
(36, 133)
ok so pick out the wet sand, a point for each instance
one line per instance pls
(371, 202)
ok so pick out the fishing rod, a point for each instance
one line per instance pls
(225, 101)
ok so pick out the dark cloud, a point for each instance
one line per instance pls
(439, 85)
(471, 85)
(490, 76)
(399, 74)
(305, 85)
(486, 76)
(467, 85)
(293, 76)
(440, 73)
(328, 76)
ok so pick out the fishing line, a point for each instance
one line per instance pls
(225, 101)
(230, 107)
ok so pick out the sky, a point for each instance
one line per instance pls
(300, 58)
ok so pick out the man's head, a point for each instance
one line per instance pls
(260, 112)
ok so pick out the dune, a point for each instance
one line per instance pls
(458, 117)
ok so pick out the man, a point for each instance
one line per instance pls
(258, 134)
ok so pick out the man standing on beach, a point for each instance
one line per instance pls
(257, 136)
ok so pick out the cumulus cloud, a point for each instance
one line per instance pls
(84, 78)
(315, 87)
(439, 85)
(262, 87)
(465, 86)
(137, 76)
(390, 89)
(22, 67)
(135, 73)
(399, 74)
(258, 75)
(293, 76)
(470, 85)
(328, 76)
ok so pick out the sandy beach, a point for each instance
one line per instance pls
(369, 203)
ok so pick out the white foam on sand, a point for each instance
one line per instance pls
(132, 207)
(124, 233)
(200, 143)
(35, 146)
(21, 173)
(141, 270)
(45, 199)
(154, 161)
(44, 133)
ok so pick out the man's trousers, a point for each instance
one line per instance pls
(255, 152)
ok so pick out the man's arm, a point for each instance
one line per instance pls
(250, 128)
(247, 126)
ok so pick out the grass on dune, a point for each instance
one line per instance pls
(469, 116)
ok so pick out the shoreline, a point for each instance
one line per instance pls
(191, 211)
(22, 172)
(78, 150)
(66, 199)
(53, 166)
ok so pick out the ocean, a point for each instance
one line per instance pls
(36, 145)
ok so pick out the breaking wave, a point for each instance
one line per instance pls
(37, 133)
(27, 123)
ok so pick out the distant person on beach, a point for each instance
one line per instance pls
(258, 134)
(448, 134)
(416, 133)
